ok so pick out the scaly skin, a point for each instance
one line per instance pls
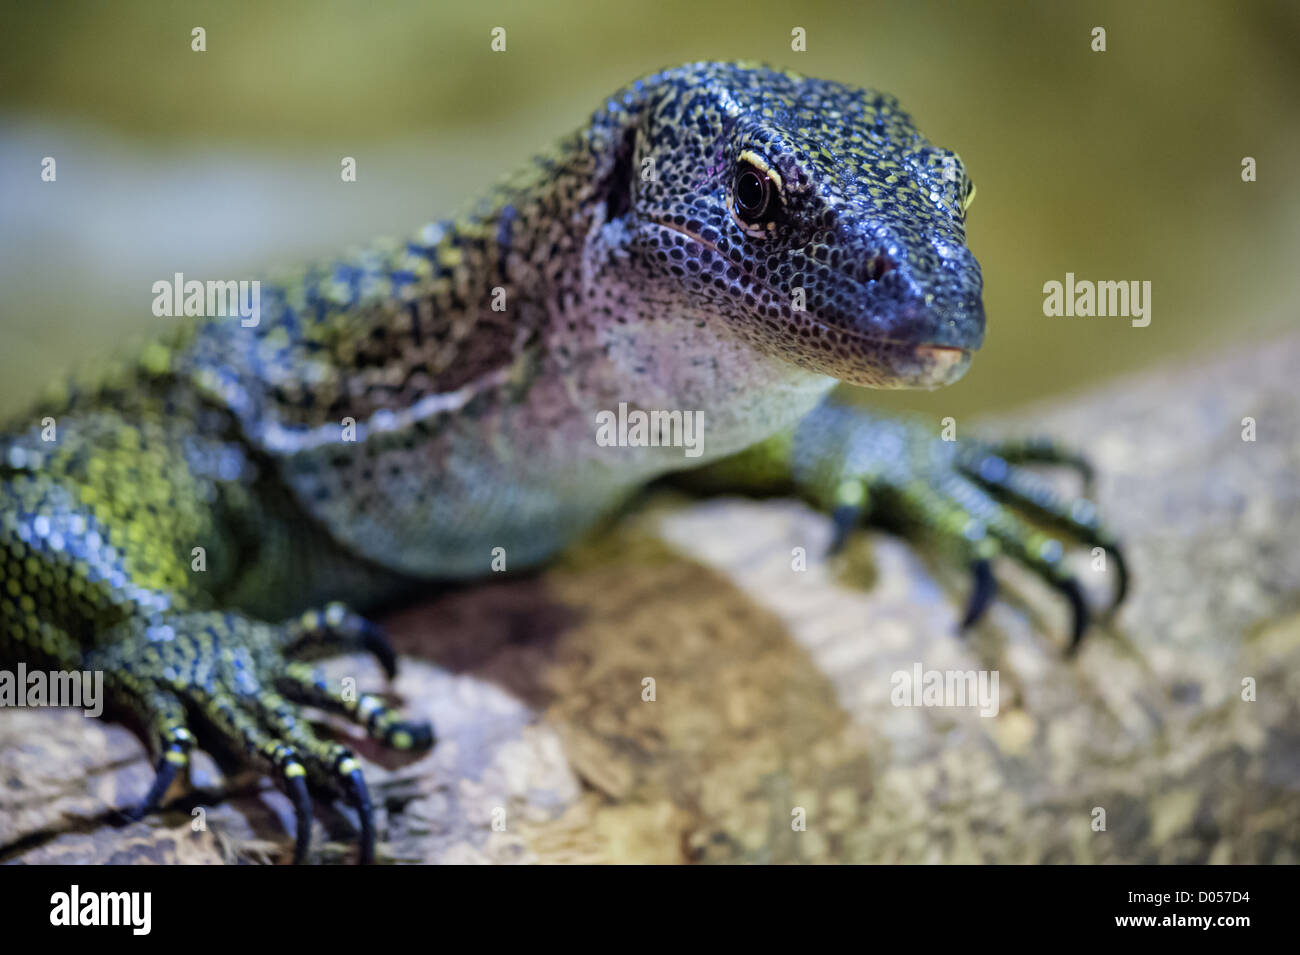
(721, 237)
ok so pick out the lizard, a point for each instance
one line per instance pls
(720, 237)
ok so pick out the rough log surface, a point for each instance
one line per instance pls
(773, 687)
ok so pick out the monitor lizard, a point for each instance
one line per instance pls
(221, 506)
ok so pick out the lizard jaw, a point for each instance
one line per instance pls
(871, 361)
(898, 365)
(861, 358)
(940, 365)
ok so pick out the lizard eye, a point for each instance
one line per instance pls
(752, 192)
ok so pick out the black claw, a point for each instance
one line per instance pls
(297, 787)
(1121, 578)
(358, 797)
(844, 520)
(984, 589)
(1070, 587)
(165, 772)
(1083, 467)
(421, 734)
(376, 642)
(424, 735)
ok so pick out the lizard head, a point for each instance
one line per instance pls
(810, 216)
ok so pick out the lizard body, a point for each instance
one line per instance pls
(720, 237)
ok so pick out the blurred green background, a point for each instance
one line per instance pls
(1117, 165)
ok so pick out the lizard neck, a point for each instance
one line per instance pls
(523, 293)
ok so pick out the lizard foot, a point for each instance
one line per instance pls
(974, 500)
(239, 677)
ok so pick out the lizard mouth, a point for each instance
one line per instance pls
(938, 365)
(879, 363)
(891, 363)
(859, 358)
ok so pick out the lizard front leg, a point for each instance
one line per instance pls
(94, 561)
(972, 500)
(238, 676)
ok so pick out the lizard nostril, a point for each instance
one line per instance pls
(877, 266)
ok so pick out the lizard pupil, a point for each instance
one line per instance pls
(753, 190)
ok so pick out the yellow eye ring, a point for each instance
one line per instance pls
(759, 163)
(755, 193)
